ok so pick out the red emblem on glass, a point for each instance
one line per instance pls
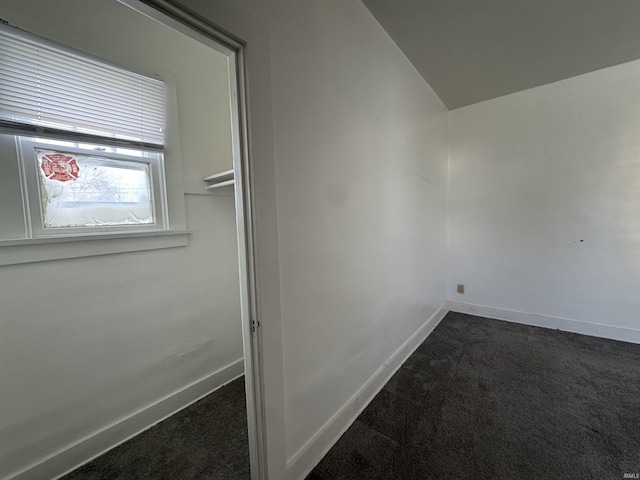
(60, 167)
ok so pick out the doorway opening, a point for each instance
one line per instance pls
(160, 306)
(233, 48)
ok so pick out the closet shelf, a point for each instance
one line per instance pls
(218, 180)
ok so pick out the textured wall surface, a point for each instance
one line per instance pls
(361, 163)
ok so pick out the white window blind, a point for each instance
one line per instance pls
(49, 86)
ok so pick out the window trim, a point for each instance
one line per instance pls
(34, 250)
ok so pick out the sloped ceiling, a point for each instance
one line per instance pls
(474, 50)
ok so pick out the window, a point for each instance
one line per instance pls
(74, 188)
(89, 139)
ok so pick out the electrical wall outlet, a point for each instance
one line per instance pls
(460, 288)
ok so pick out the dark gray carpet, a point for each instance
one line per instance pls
(485, 399)
(205, 441)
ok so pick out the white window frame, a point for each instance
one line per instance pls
(32, 192)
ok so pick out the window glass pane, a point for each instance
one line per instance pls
(93, 190)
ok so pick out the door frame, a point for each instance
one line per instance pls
(233, 48)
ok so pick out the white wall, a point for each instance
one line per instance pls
(361, 163)
(87, 342)
(545, 202)
(84, 343)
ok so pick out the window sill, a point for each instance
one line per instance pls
(43, 249)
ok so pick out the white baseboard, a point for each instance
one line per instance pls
(94, 445)
(546, 321)
(307, 457)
